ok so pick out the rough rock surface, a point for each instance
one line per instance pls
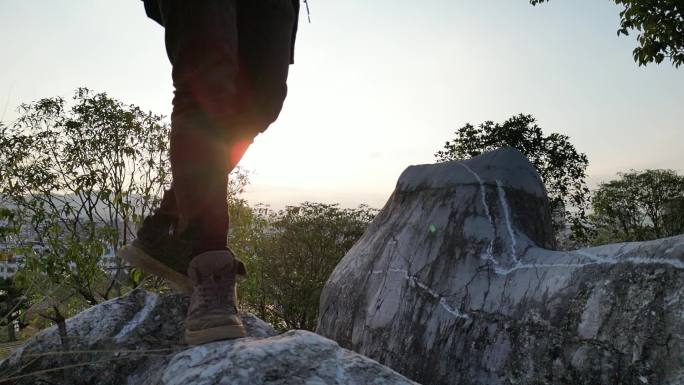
(454, 283)
(136, 340)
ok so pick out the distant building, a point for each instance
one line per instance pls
(9, 267)
(10, 262)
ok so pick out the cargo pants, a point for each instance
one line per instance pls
(230, 62)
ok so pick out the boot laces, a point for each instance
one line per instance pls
(216, 290)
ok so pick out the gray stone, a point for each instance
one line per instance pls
(456, 282)
(137, 339)
(295, 357)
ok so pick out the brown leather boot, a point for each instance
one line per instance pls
(165, 258)
(213, 314)
(158, 250)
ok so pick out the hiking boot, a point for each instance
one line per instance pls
(158, 252)
(213, 314)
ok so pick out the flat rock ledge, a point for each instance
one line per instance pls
(137, 339)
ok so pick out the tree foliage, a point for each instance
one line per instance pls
(78, 177)
(639, 206)
(560, 166)
(6, 224)
(12, 303)
(290, 254)
(660, 24)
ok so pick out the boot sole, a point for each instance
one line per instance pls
(225, 332)
(139, 258)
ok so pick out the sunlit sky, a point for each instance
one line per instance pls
(379, 85)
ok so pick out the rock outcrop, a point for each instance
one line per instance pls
(455, 283)
(137, 339)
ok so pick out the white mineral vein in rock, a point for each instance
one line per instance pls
(140, 316)
(522, 300)
(339, 369)
(595, 260)
(416, 283)
(507, 219)
(483, 195)
(635, 260)
(525, 266)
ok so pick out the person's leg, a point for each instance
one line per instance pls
(264, 29)
(201, 42)
(205, 105)
(202, 45)
(215, 121)
(265, 41)
(220, 105)
(162, 220)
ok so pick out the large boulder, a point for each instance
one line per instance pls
(137, 339)
(455, 282)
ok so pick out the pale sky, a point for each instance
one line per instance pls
(379, 85)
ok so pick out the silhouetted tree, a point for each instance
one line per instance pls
(638, 206)
(79, 176)
(12, 304)
(290, 254)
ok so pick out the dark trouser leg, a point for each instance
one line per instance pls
(265, 38)
(221, 102)
(201, 42)
(200, 172)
